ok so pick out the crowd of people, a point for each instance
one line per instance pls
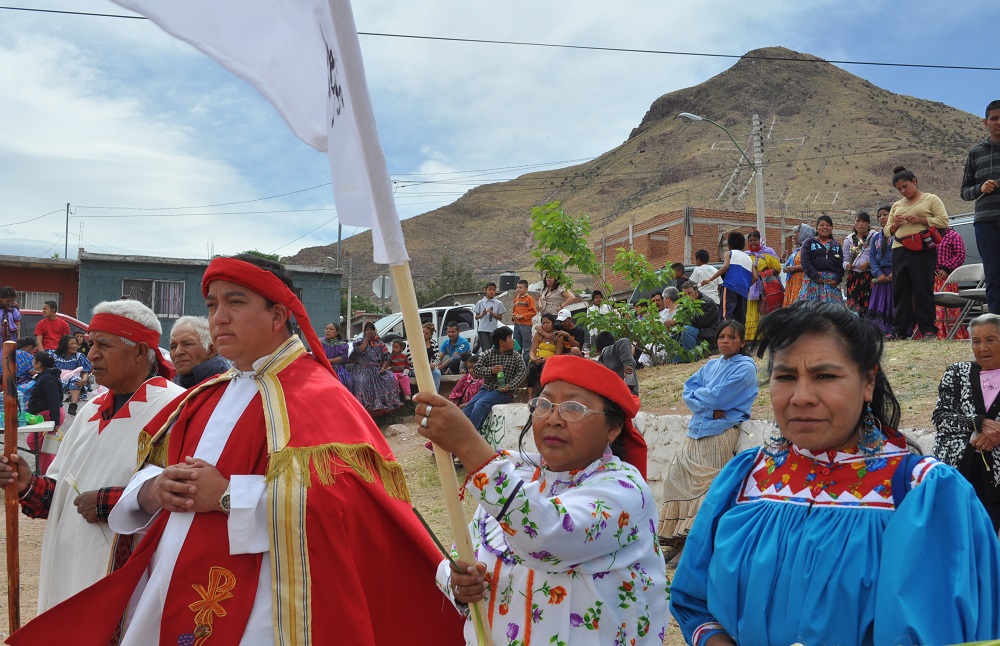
(251, 520)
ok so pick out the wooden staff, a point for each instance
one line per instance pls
(9, 359)
(403, 282)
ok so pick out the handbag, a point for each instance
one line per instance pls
(772, 292)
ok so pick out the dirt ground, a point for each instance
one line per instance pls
(914, 369)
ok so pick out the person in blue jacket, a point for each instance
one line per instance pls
(720, 396)
(834, 532)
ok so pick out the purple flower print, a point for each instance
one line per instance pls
(541, 556)
(530, 531)
(575, 620)
(536, 615)
(568, 523)
(511, 632)
(626, 484)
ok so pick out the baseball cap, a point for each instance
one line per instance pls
(564, 314)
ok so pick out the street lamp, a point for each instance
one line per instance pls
(757, 166)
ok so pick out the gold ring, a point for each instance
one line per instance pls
(423, 422)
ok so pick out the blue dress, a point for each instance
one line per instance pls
(815, 551)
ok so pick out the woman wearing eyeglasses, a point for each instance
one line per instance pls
(565, 539)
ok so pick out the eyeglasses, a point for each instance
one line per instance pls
(569, 411)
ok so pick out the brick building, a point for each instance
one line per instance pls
(661, 238)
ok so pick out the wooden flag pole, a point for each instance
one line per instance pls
(9, 359)
(407, 296)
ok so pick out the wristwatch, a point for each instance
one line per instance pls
(224, 501)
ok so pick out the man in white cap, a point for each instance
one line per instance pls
(573, 336)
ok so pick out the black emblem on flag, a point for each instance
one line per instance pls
(335, 92)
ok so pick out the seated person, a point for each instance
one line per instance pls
(618, 356)
(469, 384)
(192, 352)
(452, 350)
(542, 347)
(75, 370)
(45, 400)
(400, 366)
(501, 369)
(703, 326)
(25, 358)
(573, 336)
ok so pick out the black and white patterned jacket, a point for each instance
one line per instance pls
(960, 411)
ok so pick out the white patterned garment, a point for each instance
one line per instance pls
(571, 557)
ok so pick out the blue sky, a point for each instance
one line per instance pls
(118, 119)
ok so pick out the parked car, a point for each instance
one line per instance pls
(390, 327)
(30, 318)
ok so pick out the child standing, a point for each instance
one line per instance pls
(489, 312)
(523, 311)
(469, 384)
(400, 366)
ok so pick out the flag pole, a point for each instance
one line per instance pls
(403, 283)
(9, 360)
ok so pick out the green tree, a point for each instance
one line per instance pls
(561, 245)
(453, 278)
(361, 303)
(267, 256)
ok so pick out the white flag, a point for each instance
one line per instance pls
(304, 57)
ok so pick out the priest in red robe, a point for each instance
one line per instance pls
(271, 509)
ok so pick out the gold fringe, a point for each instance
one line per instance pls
(363, 459)
(149, 453)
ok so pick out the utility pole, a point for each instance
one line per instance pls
(340, 230)
(758, 156)
(350, 308)
(66, 247)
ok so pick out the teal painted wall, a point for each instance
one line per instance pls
(101, 280)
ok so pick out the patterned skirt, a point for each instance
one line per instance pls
(949, 315)
(859, 291)
(821, 291)
(880, 307)
(377, 391)
(689, 476)
(793, 288)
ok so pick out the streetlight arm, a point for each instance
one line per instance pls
(731, 138)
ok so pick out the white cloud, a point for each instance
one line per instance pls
(112, 112)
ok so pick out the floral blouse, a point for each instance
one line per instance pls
(571, 557)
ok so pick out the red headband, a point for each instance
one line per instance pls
(599, 379)
(269, 286)
(133, 331)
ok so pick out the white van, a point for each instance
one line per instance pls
(390, 327)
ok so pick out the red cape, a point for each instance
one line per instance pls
(371, 563)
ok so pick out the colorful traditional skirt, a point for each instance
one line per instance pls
(689, 476)
(753, 318)
(880, 306)
(859, 291)
(793, 288)
(944, 317)
(377, 391)
(821, 291)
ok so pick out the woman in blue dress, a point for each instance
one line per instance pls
(833, 532)
(75, 369)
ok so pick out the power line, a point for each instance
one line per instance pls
(627, 50)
